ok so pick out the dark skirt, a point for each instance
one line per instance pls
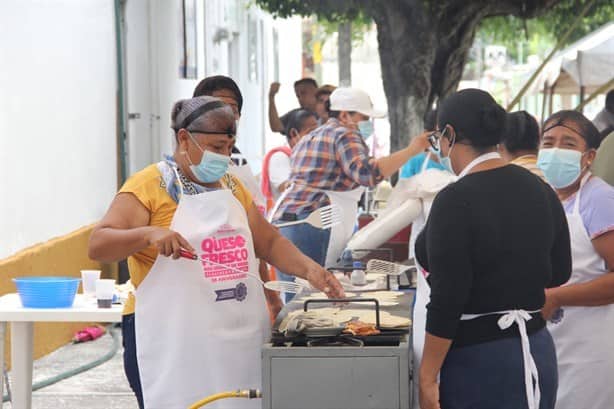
(491, 375)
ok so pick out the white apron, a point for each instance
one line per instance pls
(423, 295)
(200, 329)
(420, 221)
(584, 338)
(340, 234)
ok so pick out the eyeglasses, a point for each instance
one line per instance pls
(435, 139)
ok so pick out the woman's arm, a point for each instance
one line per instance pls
(435, 351)
(274, 248)
(599, 291)
(124, 230)
(390, 164)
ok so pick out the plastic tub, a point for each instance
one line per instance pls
(47, 292)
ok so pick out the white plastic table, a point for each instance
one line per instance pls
(22, 324)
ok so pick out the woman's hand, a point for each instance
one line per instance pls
(420, 143)
(274, 302)
(429, 395)
(551, 305)
(325, 281)
(168, 242)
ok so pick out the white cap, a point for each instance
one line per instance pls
(353, 99)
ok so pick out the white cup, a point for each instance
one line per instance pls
(104, 292)
(88, 280)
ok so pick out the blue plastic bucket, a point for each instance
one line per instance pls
(47, 292)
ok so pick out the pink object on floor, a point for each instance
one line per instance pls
(89, 334)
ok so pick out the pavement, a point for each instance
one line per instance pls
(103, 387)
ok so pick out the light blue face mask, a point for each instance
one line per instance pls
(365, 128)
(561, 167)
(445, 160)
(212, 166)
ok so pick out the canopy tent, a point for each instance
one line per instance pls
(582, 67)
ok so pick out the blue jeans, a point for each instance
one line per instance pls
(491, 375)
(311, 241)
(131, 367)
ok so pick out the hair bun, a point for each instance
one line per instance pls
(493, 119)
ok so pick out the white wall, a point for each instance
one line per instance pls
(57, 118)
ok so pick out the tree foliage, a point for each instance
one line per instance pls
(538, 35)
(424, 44)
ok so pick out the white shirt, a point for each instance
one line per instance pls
(279, 172)
(603, 120)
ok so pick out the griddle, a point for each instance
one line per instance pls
(334, 336)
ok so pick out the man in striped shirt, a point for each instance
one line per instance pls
(521, 141)
(333, 160)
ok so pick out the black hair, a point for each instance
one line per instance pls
(475, 117)
(306, 81)
(609, 99)
(430, 120)
(217, 83)
(576, 121)
(521, 132)
(296, 120)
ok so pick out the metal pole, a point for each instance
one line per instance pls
(598, 91)
(544, 99)
(549, 57)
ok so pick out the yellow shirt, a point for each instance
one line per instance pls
(150, 189)
(529, 162)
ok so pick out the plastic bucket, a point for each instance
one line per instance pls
(47, 292)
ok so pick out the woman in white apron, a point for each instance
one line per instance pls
(494, 240)
(331, 165)
(195, 328)
(582, 311)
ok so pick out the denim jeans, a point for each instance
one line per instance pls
(491, 374)
(131, 367)
(311, 241)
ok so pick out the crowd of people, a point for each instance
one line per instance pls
(514, 292)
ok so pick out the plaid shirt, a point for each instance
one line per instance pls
(332, 157)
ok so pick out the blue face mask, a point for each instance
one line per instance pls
(212, 166)
(561, 167)
(445, 160)
(365, 128)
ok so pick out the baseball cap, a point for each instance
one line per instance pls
(354, 99)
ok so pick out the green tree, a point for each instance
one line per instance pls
(423, 44)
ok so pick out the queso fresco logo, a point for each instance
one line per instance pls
(229, 249)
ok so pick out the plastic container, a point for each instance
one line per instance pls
(47, 292)
(358, 276)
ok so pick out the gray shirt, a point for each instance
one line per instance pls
(604, 120)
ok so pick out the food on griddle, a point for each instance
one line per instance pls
(360, 328)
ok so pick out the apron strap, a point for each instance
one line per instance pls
(482, 158)
(519, 317)
(279, 202)
(576, 205)
(425, 164)
(178, 180)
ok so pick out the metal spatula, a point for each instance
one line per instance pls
(323, 218)
(384, 267)
(283, 286)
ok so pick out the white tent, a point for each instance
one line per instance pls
(581, 67)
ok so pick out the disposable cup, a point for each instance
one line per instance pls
(104, 292)
(88, 280)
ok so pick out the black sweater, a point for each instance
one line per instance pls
(493, 241)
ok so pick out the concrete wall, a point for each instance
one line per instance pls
(57, 118)
(64, 256)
